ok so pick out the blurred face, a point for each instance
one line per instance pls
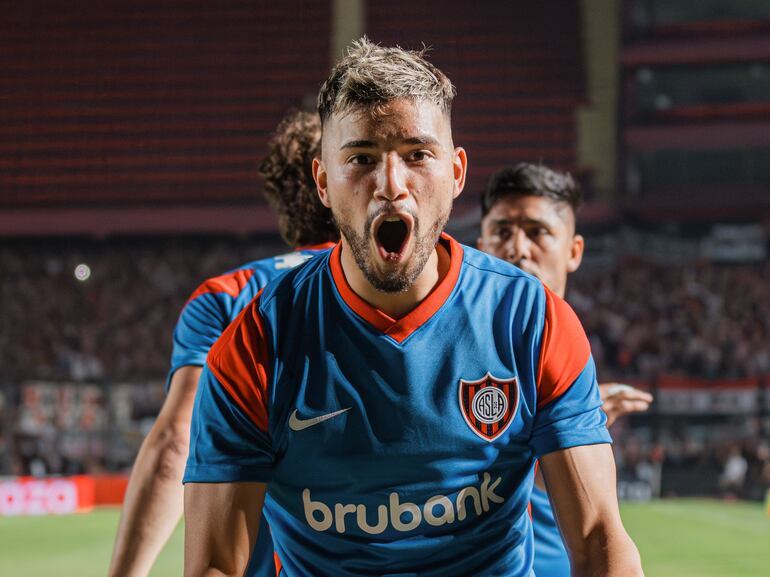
(389, 179)
(536, 234)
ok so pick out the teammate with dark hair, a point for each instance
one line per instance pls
(153, 503)
(528, 218)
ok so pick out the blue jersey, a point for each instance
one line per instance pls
(217, 301)
(397, 446)
(208, 311)
(551, 559)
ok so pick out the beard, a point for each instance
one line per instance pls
(401, 278)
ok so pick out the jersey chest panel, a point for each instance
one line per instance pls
(373, 432)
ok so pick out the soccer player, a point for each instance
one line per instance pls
(153, 501)
(383, 404)
(528, 218)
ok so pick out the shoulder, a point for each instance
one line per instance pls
(295, 280)
(233, 282)
(491, 273)
(564, 349)
(485, 264)
(248, 279)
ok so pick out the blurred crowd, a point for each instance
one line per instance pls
(723, 466)
(84, 311)
(700, 320)
(110, 322)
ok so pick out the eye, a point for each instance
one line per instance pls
(418, 155)
(361, 159)
(503, 233)
(537, 232)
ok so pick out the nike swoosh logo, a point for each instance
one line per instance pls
(297, 424)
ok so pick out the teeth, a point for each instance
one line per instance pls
(392, 219)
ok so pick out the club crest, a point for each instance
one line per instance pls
(489, 404)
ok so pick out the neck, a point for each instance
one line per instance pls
(396, 305)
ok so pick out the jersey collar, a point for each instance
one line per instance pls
(400, 329)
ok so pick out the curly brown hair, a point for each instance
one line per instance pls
(289, 185)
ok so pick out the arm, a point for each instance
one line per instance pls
(231, 458)
(619, 400)
(153, 502)
(582, 492)
(220, 527)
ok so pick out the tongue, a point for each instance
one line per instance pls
(391, 235)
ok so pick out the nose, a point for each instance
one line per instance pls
(391, 180)
(518, 247)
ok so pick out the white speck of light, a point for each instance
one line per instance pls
(82, 272)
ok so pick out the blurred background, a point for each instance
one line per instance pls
(130, 134)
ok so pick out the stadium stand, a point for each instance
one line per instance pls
(147, 102)
(518, 68)
(86, 382)
(701, 320)
(112, 107)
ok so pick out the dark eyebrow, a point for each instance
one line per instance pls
(358, 144)
(523, 220)
(414, 140)
(422, 139)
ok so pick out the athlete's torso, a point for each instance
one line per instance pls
(397, 447)
(401, 474)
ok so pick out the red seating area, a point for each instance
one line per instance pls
(108, 102)
(113, 104)
(518, 68)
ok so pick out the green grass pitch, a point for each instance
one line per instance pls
(677, 538)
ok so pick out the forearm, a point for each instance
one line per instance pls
(213, 572)
(581, 485)
(154, 499)
(152, 507)
(607, 553)
(221, 525)
(213, 569)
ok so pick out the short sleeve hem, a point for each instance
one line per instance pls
(226, 474)
(555, 441)
(192, 360)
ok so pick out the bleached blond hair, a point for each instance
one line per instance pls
(369, 76)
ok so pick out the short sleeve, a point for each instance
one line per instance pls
(229, 436)
(200, 325)
(569, 406)
(205, 315)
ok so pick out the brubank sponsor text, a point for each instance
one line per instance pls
(402, 516)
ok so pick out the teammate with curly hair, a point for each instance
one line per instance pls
(153, 502)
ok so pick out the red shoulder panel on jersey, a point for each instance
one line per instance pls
(564, 351)
(240, 361)
(322, 246)
(231, 283)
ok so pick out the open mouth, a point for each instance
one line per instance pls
(392, 235)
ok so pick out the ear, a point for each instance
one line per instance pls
(319, 175)
(460, 166)
(576, 253)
